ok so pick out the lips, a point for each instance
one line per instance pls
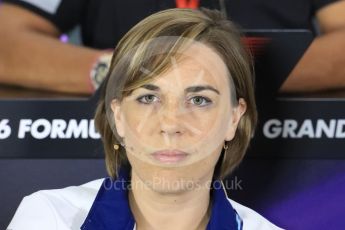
(170, 156)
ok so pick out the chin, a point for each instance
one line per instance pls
(168, 181)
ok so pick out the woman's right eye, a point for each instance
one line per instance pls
(147, 99)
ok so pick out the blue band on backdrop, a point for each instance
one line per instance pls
(111, 209)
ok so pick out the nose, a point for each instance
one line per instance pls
(171, 123)
(170, 128)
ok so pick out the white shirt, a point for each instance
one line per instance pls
(67, 208)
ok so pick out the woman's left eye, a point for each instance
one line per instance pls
(147, 99)
(200, 101)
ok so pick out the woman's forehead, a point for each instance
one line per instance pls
(203, 53)
(204, 67)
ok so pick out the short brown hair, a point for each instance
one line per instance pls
(204, 25)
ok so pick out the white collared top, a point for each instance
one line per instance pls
(67, 208)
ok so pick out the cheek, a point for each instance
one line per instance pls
(210, 122)
(202, 119)
(136, 119)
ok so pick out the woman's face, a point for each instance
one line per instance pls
(174, 127)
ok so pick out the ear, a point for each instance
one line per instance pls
(118, 116)
(235, 118)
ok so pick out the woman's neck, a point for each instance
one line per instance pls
(175, 210)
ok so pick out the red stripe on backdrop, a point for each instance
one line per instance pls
(193, 4)
(256, 44)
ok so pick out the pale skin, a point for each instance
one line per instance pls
(176, 196)
(29, 45)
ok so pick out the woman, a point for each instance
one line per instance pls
(176, 115)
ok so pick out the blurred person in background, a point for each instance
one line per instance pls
(31, 54)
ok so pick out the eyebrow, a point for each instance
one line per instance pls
(150, 87)
(198, 88)
(191, 89)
